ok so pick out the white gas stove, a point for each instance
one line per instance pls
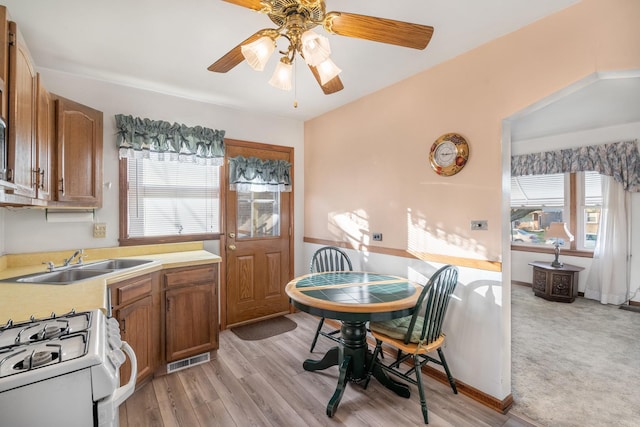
(69, 364)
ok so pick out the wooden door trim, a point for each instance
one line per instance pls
(223, 232)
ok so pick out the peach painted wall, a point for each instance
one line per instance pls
(367, 168)
(366, 164)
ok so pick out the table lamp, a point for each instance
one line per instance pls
(558, 230)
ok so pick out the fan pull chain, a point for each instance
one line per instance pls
(295, 84)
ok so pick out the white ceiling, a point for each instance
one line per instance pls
(166, 46)
(596, 103)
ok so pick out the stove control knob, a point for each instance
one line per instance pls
(112, 323)
(115, 341)
(117, 357)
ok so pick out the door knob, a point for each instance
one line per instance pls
(232, 235)
(232, 247)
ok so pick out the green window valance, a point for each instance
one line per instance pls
(253, 174)
(157, 139)
(620, 160)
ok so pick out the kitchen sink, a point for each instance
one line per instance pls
(77, 272)
(114, 264)
(61, 277)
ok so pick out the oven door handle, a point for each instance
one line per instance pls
(123, 393)
(108, 407)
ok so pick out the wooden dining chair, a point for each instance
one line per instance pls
(328, 258)
(417, 335)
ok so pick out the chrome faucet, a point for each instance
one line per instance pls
(79, 254)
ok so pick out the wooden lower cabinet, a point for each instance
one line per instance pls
(135, 304)
(167, 316)
(191, 311)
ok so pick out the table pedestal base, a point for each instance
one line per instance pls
(353, 358)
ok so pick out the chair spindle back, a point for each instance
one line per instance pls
(432, 304)
(330, 258)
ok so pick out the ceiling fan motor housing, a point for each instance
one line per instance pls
(311, 12)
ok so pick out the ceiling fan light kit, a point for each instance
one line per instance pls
(258, 52)
(294, 20)
(281, 77)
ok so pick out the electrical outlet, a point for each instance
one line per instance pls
(99, 230)
(377, 237)
(479, 225)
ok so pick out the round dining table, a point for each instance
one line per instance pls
(354, 298)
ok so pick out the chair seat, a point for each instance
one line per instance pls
(397, 328)
(411, 348)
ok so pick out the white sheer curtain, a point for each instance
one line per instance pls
(608, 280)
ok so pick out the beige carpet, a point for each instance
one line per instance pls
(574, 364)
(265, 328)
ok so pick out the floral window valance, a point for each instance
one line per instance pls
(145, 138)
(253, 174)
(619, 160)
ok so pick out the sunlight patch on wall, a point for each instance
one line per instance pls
(437, 239)
(352, 227)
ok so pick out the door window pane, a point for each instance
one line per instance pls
(258, 214)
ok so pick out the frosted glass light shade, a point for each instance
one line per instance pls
(281, 77)
(315, 48)
(327, 70)
(258, 52)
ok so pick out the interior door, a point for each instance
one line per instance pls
(258, 243)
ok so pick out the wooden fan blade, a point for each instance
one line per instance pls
(332, 86)
(381, 30)
(233, 57)
(250, 4)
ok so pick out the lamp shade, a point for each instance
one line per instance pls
(327, 70)
(258, 52)
(281, 77)
(559, 230)
(315, 48)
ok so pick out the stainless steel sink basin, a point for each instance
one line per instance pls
(115, 264)
(78, 272)
(62, 277)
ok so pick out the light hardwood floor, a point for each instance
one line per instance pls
(262, 383)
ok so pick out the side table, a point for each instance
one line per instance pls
(555, 284)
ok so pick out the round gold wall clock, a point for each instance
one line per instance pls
(449, 154)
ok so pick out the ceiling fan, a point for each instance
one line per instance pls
(294, 20)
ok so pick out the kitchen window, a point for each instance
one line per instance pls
(168, 201)
(539, 200)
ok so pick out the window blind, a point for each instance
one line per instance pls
(537, 190)
(172, 198)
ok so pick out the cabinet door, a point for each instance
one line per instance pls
(135, 328)
(79, 153)
(45, 134)
(191, 321)
(22, 114)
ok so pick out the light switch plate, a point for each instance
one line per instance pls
(99, 230)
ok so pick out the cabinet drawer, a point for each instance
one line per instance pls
(189, 276)
(132, 290)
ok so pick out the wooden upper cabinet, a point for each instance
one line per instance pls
(21, 150)
(79, 154)
(4, 62)
(45, 137)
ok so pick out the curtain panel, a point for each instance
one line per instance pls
(160, 140)
(253, 174)
(620, 160)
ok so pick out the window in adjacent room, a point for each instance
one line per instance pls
(170, 201)
(539, 200)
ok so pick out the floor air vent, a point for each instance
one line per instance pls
(186, 363)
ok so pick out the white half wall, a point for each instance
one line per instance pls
(475, 323)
